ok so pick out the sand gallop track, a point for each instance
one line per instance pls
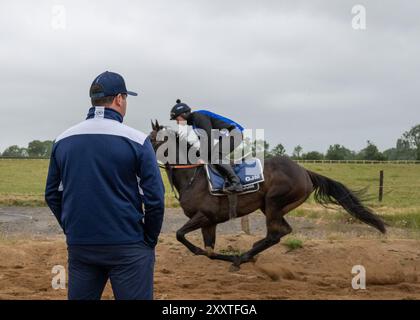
(30, 247)
(320, 270)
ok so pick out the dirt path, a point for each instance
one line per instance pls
(31, 246)
(38, 223)
(320, 270)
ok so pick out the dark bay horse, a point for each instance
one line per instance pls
(287, 185)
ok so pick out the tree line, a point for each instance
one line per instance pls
(406, 148)
(35, 148)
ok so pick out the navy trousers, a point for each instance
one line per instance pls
(128, 267)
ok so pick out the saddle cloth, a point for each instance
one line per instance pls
(249, 171)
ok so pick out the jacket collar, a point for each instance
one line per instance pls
(190, 119)
(104, 113)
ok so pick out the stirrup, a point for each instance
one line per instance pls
(237, 188)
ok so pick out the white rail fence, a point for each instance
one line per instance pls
(298, 161)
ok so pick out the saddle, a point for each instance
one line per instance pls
(249, 171)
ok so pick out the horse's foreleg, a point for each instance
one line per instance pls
(198, 221)
(208, 227)
(209, 237)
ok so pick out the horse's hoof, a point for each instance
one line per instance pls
(234, 268)
(210, 252)
(199, 252)
(236, 264)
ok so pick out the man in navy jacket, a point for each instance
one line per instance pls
(105, 189)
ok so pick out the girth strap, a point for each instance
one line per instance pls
(233, 205)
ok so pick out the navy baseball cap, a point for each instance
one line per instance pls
(110, 84)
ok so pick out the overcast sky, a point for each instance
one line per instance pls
(294, 68)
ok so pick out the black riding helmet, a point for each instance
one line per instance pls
(179, 109)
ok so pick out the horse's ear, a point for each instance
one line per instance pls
(153, 125)
(157, 124)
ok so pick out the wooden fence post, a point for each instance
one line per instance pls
(245, 224)
(381, 185)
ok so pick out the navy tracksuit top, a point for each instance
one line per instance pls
(104, 185)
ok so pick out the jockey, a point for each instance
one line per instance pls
(207, 121)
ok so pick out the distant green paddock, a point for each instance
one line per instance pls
(22, 183)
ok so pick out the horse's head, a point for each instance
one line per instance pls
(163, 134)
(156, 127)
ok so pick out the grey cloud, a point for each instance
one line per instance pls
(295, 68)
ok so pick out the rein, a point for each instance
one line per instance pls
(180, 166)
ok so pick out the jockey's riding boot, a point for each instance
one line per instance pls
(229, 173)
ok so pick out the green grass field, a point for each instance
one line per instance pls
(22, 183)
(400, 206)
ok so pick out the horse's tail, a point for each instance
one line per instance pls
(330, 191)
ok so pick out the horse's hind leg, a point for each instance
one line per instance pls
(276, 229)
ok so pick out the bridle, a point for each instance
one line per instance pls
(171, 167)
